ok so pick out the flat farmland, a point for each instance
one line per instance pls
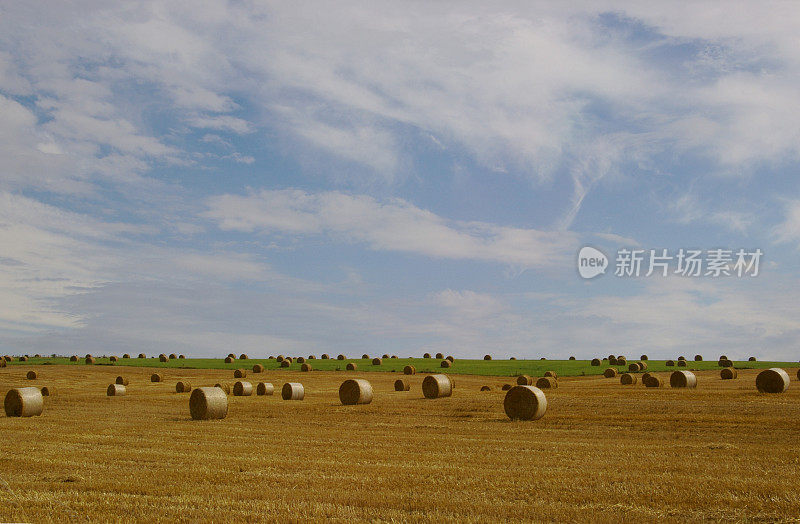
(603, 452)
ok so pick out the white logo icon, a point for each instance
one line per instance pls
(591, 262)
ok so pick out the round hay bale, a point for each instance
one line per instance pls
(121, 380)
(643, 357)
(612, 360)
(402, 384)
(610, 373)
(73, 358)
(385, 355)
(571, 358)
(682, 379)
(773, 380)
(2, 362)
(642, 365)
(506, 387)
(512, 358)
(547, 383)
(172, 356)
(208, 404)
(450, 358)
(351, 366)
(626, 379)
(242, 389)
(622, 362)
(653, 382)
(264, 388)
(633, 367)
(285, 363)
(525, 403)
(183, 387)
(112, 359)
(355, 391)
(142, 355)
(670, 363)
(681, 363)
(798, 374)
(46, 391)
(551, 374)
(437, 386)
(364, 357)
(181, 357)
(341, 357)
(32, 375)
(395, 356)
(232, 355)
(163, 358)
(301, 360)
(305, 367)
(224, 386)
(725, 363)
(524, 380)
(24, 402)
(698, 358)
(728, 373)
(445, 363)
(409, 370)
(543, 358)
(87, 355)
(228, 360)
(89, 360)
(23, 359)
(312, 357)
(645, 377)
(439, 356)
(723, 357)
(681, 357)
(115, 390)
(258, 368)
(596, 362)
(156, 377)
(751, 359)
(324, 356)
(426, 355)
(243, 356)
(279, 358)
(376, 361)
(239, 373)
(622, 357)
(293, 391)
(487, 357)
(486, 388)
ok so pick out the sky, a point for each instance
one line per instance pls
(207, 177)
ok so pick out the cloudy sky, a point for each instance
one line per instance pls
(400, 177)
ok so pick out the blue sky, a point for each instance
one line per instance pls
(208, 177)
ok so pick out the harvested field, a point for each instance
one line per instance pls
(465, 441)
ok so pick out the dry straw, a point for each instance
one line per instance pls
(89, 360)
(258, 368)
(376, 361)
(633, 367)
(242, 389)
(341, 357)
(2, 362)
(725, 363)
(172, 356)
(525, 403)
(228, 360)
(524, 380)
(112, 358)
(324, 356)
(305, 367)
(232, 355)
(224, 386)
(32, 375)
(642, 365)
(293, 391)
(450, 358)
(285, 363)
(437, 386)
(773, 380)
(279, 358)
(385, 355)
(409, 370)
(23, 359)
(155, 377)
(547, 383)
(698, 358)
(445, 363)
(264, 388)
(610, 373)
(142, 355)
(355, 391)
(243, 357)
(669, 363)
(73, 358)
(682, 379)
(626, 379)
(798, 374)
(24, 402)
(551, 374)
(751, 359)
(401, 385)
(183, 387)
(487, 357)
(351, 366)
(115, 390)
(728, 373)
(439, 356)
(596, 362)
(653, 382)
(364, 357)
(239, 373)
(121, 380)
(163, 358)
(208, 403)
(301, 360)
(426, 355)
(612, 360)
(643, 357)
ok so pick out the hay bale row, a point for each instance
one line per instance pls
(437, 386)
(116, 390)
(208, 404)
(773, 380)
(525, 403)
(355, 391)
(24, 402)
(682, 379)
(264, 388)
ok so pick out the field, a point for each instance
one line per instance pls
(603, 452)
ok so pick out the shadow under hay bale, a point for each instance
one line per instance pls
(682, 379)
(24, 402)
(293, 391)
(355, 391)
(547, 383)
(208, 404)
(437, 386)
(264, 388)
(525, 403)
(116, 390)
(626, 379)
(402, 385)
(773, 380)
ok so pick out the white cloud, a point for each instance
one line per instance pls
(395, 225)
(788, 231)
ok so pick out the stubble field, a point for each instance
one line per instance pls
(603, 452)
